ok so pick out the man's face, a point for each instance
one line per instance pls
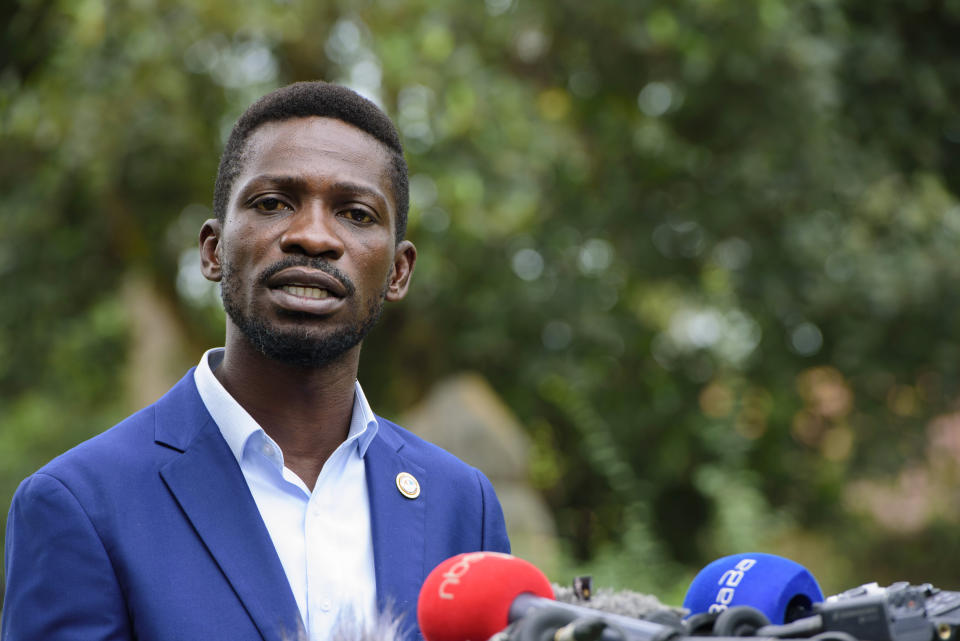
(307, 252)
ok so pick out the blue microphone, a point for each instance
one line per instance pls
(780, 588)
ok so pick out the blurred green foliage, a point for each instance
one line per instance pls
(705, 249)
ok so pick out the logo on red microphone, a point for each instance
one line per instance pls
(451, 578)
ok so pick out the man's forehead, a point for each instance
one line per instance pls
(315, 143)
(318, 132)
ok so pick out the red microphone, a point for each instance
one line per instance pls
(468, 596)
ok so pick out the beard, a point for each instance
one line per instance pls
(297, 345)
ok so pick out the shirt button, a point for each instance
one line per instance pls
(325, 605)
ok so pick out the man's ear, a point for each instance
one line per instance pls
(210, 250)
(403, 261)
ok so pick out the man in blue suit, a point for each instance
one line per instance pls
(261, 498)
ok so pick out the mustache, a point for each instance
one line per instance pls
(310, 262)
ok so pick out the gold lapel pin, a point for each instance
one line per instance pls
(408, 485)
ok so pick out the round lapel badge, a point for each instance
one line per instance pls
(408, 485)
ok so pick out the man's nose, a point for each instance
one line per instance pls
(313, 231)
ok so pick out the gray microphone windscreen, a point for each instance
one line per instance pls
(622, 602)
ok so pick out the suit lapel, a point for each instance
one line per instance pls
(209, 486)
(397, 524)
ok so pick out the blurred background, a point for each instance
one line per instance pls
(703, 253)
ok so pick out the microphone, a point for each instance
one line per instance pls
(468, 596)
(781, 589)
(473, 596)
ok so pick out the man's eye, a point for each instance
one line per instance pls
(358, 215)
(270, 204)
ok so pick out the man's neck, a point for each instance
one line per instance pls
(307, 411)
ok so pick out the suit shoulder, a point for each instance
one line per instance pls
(116, 445)
(422, 450)
(131, 443)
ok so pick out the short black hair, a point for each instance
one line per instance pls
(302, 100)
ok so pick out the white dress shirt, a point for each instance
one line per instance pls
(322, 537)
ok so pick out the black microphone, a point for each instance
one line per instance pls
(536, 613)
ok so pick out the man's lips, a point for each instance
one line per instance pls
(308, 283)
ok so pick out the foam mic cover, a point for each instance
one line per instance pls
(468, 596)
(780, 588)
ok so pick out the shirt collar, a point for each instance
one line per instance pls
(237, 426)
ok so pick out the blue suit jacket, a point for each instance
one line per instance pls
(148, 531)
